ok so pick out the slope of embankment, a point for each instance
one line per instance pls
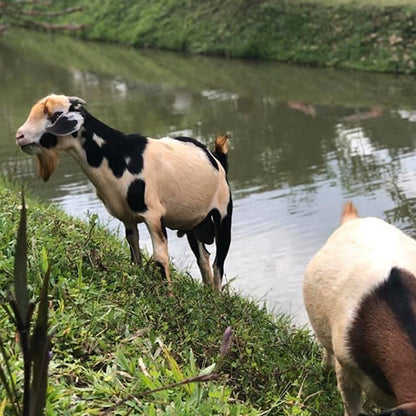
(117, 333)
(375, 35)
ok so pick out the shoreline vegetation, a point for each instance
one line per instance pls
(117, 333)
(370, 35)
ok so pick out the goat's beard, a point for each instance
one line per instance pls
(32, 148)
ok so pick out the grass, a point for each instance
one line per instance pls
(361, 3)
(118, 334)
(366, 35)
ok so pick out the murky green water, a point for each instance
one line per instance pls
(304, 140)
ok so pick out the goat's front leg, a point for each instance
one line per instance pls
(159, 238)
(328, 360)
(350, 390)
(132, 236)
(222, 241)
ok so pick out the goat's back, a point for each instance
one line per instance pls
(186, 179)
(357, 257)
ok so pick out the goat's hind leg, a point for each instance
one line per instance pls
(202, 258)
(132, 236)
(223, 241)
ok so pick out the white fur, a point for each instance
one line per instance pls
(167, 169)
(358, 255)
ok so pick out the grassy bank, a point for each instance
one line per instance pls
(366, 35)
(118, 333)
(194, 73)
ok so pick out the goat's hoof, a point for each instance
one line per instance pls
(170, 290)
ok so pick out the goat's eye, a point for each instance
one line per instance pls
(54, 116)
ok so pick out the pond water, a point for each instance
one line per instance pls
(304, 141)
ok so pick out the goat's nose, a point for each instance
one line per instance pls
(19, 135)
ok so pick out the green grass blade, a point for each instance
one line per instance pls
(176, 371)
(9, 394)
(39, 351)
(20, 267)
(9, 374)
(3, 406)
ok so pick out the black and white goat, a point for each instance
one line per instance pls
(176, 183)
(360, 295)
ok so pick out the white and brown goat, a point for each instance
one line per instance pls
(360, 295)
(172, 182)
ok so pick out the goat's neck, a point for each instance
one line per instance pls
(87, 149)
(105, 154)
(94, 126)
(97, 175)
(399, 366)
(383, 335)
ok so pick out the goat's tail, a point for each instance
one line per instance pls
(221, 150)
(221, 144)
(349, 212)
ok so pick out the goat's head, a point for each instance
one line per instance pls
(408, 409)
(45, 131)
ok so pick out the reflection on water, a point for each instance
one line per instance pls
(303, 142)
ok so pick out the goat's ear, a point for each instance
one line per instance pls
(47, 162)
(66, 123)
(76, 100)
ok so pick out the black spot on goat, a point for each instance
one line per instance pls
(135, 196)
